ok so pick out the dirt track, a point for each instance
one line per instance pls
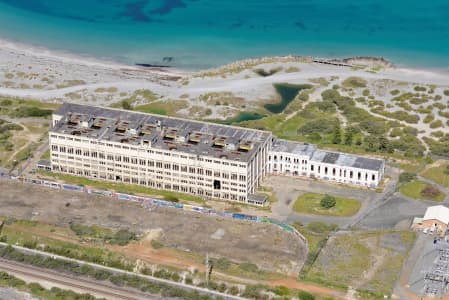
(266, 245)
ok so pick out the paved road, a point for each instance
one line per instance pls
(118, 271)
(77, 284)
(288, 189)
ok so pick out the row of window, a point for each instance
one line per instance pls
(88, 153)
(326, 171)
(154, 184)
(150, 163)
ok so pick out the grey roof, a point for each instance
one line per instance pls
(280, 145)
(162, 132)
(347, 160)
(329, 157)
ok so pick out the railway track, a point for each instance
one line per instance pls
(93, 287)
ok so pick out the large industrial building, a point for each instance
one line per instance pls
(204, 159)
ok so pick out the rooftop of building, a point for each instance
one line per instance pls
(161, 132)
(306, 149)
(329, 157)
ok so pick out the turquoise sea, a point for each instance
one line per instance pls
(197, 34)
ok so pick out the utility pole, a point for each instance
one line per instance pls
(207, 269)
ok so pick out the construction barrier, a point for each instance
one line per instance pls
(148, 202)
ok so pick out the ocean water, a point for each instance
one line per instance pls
(196, 34)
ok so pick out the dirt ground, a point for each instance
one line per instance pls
(266, 245)
(363, 260)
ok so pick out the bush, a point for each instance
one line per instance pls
(407, 177)
(222, 263)
(281, 290)
(156, 244)
(324, 126)
(395, 92)
(29, 111)
(354, 82)
(126, 105)
(436, 124)
(328, 201)
(248, 267)
(303, 295)
(430, 191)
(171, 198)
(123, 237)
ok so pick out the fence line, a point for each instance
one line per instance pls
(147, 202)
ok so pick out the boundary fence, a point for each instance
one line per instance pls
(148, 202)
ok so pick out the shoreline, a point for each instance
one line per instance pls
(40, 52)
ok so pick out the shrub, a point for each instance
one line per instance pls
(436, 124)
(394, 92)
(171, 198)
(430, 191)
(446, 92)
(223, 263)
(156, 244)
(317, 126)
(126, 105)
(248, 267)
(406, 177)
(420, 88)
(123, 237)
(281, 290)
(28, 111)
(354, 82)
(328, 202)
(303, 295)
(233, 290)
(429, 118)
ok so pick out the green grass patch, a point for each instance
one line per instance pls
(123, 187)
(414, 189)
(309, 203)
(437, 175)
(169, 108)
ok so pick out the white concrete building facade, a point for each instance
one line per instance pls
(303, 159)
(208, 160)
(198, 158)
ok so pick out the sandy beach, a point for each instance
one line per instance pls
(34, 72)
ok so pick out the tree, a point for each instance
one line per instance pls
(328, 201)
(337, 134)
(430, 191)
(349, 136)
(126, 105)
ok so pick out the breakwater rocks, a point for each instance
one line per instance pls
(240, 65)
(369, 61)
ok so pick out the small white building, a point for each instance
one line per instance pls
(303, 159)
(435, 220)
